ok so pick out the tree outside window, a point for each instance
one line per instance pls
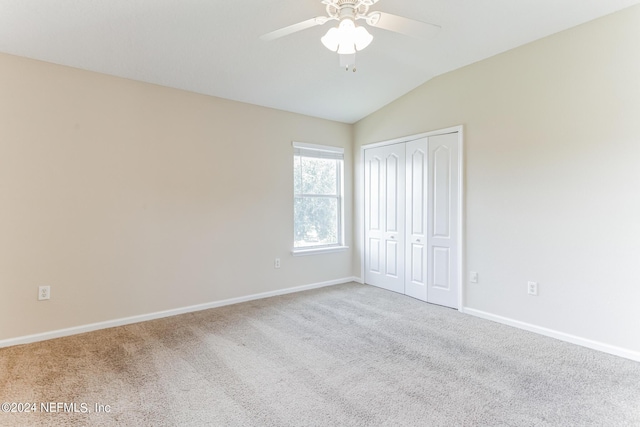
(317, 197)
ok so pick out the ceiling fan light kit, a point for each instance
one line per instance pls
(347, 37)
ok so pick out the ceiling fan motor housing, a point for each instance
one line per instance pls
(348, 9)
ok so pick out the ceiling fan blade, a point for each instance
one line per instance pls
(399, 24)
(294, 28)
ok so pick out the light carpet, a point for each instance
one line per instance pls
(347, 355)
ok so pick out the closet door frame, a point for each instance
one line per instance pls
(460, 212)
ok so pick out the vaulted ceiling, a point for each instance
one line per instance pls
(213, 46)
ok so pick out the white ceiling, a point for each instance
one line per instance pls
(213, 47)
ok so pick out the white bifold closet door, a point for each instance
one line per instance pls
(411, 218)
(384, 218)
(416, 219)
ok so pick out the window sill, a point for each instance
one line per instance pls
(317, 251)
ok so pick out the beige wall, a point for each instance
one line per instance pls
(129, 198)
(552, 151)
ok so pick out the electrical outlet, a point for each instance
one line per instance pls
(532, 288)
(473, 277)
(276, 263)
(44, 293)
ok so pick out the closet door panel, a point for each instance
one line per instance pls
(384, 217)
(442, 280)
(416, 219)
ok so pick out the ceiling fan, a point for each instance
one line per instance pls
(347, 37)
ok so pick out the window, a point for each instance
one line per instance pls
(318, 207)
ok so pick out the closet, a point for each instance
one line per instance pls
(411, 218)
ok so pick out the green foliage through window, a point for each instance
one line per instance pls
(317, 199)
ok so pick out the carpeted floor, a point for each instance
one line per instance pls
(347, 355)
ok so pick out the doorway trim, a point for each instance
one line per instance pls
(461, 197)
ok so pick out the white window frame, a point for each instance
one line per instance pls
(328, 152)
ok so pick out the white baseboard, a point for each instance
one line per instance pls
(167, 313)
(595, 345)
